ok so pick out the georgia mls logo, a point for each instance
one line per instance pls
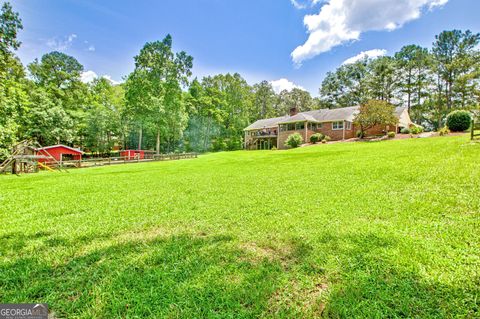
(40, 310)
(24, 311)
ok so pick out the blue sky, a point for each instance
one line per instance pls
(260, 39)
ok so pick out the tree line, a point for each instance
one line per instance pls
(430, 82)
(159, 106)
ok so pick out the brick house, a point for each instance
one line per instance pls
(336, 123)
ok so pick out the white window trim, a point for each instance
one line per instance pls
(348, 125)
(337, 129)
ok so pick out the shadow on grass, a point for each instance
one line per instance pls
(186, 276)
(177, 276)
(374, 284)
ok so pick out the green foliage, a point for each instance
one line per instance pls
(317, 137)
(391, 134)
(444, 131)
(405, 130)
(294, 140)
(10, 24)
(264, 100)
(416, 129)
(327, 138)
(154, 95)
(459, 121)
(373, 113)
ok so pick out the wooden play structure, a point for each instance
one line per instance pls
(29, 157)
(26, 158)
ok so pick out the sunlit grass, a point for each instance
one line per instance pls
(371, 230)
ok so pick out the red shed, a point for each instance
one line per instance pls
(136, 154)
(132, 154)
(61, 152)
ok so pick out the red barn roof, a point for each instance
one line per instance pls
(73, 150)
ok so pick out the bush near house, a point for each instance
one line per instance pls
(459, 121)
(294, 140)
(317, 137)
(443, 131)
(405, 130)
(416, 130)
(391, 134)
(373, 113)
(327, 138)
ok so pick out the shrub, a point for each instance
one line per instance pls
(294, 140)
(274, 148)
(317, 137)
(405, 130)
(444, 131)
(323, 141)
(417, 129)
(219, 145)
(360, 134)
(459, 121)
(391, 134)
(327, 138)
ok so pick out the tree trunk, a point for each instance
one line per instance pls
(158, 142)
(140, 133)
(409, 93)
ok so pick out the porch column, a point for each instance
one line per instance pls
(306, 128)
(245, 141)
(344, 123)
(278, 137)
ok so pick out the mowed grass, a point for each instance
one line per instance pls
(347, 230)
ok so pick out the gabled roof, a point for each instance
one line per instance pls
(300, 117)
(325, 115)
(266, 123)
(340, 114)
(76, 150)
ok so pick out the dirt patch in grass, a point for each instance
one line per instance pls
(307, 297)
(286, 253)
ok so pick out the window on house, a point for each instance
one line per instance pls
(300, 126)
(348, 125)
(291, 127)
(312, 126)
(337, 125)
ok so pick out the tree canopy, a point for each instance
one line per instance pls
(160, 106)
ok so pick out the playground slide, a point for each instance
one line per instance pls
(45, 166)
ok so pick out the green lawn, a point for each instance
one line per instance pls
(351, 230)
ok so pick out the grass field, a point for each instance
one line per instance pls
(350, 230)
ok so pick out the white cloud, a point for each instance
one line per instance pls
(89, 76)
(303, 4)
(284, 84)
(91, 48)
(61, 44)
(108, 77)
(341, 21)
(299, 4)
(372, 54)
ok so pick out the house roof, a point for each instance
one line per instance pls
(325, 115)
(75, 150)
(266, 123)
(300, 117)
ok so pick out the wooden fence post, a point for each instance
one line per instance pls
(472, 130)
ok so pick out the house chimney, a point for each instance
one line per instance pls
(293, 111)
